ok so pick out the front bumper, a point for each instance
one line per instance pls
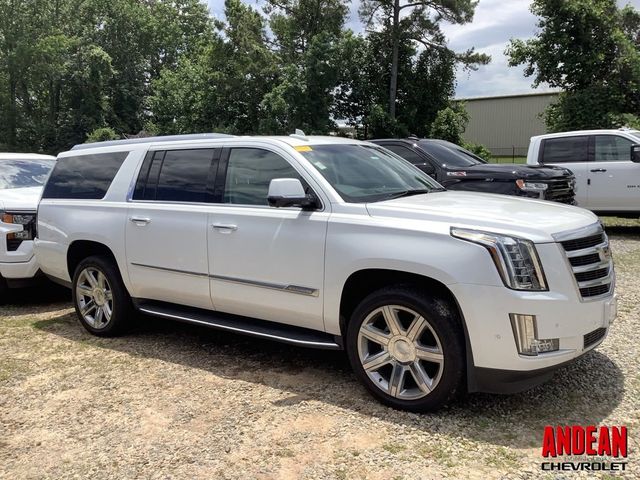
(495, 364)
(19, 264)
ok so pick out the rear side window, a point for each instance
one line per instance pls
(565, 150)
(176, 176)
(406, 153)
(85, 177)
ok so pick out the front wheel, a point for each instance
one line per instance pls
(101, 300)
(407, 348)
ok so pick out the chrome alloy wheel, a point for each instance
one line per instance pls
(400, 352)
(94, 297)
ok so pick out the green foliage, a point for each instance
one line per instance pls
(102, 134)
(590, 50)
(450, 123)
(480, 150)
(75, 71)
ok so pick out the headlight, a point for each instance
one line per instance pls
(515, 258)
(27, 222)
(531, 186)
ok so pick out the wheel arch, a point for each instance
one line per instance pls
(80, 249)
(366, 281)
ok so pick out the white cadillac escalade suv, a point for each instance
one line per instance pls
(329, 243)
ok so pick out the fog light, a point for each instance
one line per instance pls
(525, 332)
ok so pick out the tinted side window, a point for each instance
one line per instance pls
(406, 153)
(84, 176)
(249, 172)
(612, 148)
(566, 149)
(184, 175)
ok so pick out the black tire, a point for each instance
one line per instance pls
(442, 324)
(122, 311)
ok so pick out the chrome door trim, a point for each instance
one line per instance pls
(173, 270)
(297, 289)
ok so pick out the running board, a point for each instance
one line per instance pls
(278, 332)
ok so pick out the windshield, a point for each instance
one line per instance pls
(450, 156)
(24, 173)
(361, 173)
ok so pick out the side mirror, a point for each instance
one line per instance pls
(289, 192)
(635, 153)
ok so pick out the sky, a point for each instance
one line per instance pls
(494, 24)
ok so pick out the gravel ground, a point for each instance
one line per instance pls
(175, 401)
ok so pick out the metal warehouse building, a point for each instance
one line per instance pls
(505, 124)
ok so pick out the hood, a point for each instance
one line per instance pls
(20, 199)
(535, 220)
(505, 171)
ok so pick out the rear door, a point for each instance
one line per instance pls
(166, 232)
(572, 153)
(615, 179)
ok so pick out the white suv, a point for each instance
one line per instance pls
(606, 164)
(330, 243)
(22, 176)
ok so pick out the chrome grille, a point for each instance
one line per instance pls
(560, 190)
(590, 259)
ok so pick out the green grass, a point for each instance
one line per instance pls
(509, 160)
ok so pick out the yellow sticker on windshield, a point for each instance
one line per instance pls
(303, 148)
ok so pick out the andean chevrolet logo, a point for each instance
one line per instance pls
(587, 448)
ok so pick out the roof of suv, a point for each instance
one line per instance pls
(293, 140)
(588, 132)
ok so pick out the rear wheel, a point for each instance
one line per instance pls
(101, 300)
(407, 348)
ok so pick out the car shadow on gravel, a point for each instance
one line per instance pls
(583, 393)
(632, 231)
(38, 296)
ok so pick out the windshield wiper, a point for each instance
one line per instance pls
(408, 193)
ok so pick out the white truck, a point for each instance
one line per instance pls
(329, 243)
(606, 164)
(22, 176)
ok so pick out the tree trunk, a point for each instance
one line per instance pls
(13, 111)
(395, 33)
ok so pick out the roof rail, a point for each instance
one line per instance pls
(163, 138)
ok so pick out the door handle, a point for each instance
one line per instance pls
(224, 226)
(598, 170)
(140, 221)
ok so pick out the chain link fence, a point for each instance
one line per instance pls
(511, 154)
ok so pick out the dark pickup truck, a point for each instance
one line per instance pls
(458, 169)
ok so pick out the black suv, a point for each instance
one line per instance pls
(458, 169)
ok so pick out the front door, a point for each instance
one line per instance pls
(166, 232)
(614, 178)
(265, 262)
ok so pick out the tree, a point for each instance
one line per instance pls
(307, 36)
(417, 21)
(450, 123)
(589, 49)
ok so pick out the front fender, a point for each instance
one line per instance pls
(379, 245)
